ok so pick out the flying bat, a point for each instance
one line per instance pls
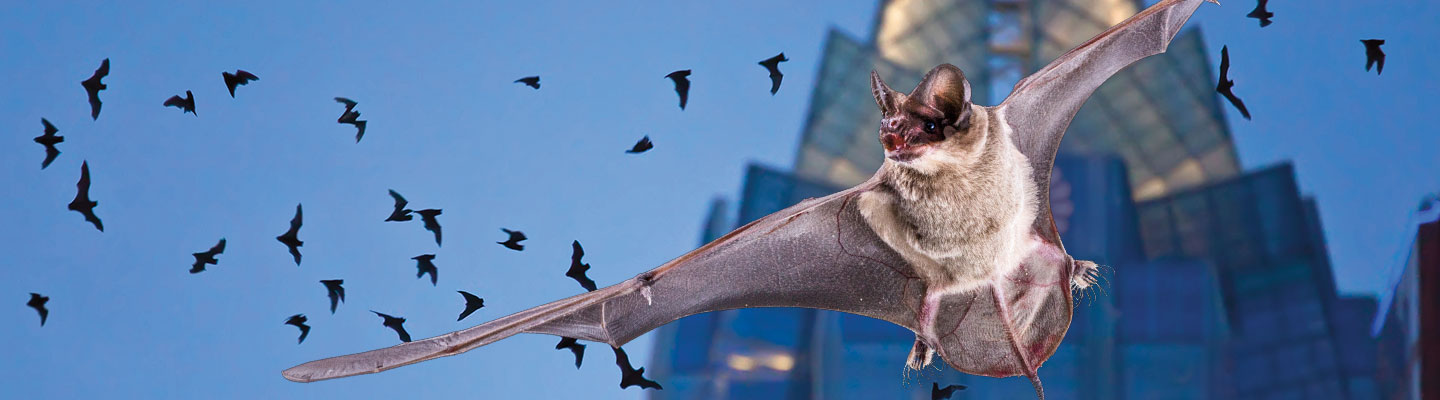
(682, 84)
(424, 264)
(629, 375)
(513, 243)
(93, 87)
(472, 303)
(82, 203)
(575, 347)
(401, 213)
(641, 146)
(577, 268)
(773, 65)
(207, 257)
(1261, 13)
(291, 238)
(298, 320)
(938, 393)
(352, 117)
(976, 270)
(431, 224)
(49, 140)
(1225, 85)
(240, 77)
(396, 323)
(531, 81)
(37, 302)
(1373, 56)
(185, 105)
(334, 291)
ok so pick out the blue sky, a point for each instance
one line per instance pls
(449, 130)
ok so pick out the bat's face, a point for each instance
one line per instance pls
(931, 127)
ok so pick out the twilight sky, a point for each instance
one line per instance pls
(449, 130)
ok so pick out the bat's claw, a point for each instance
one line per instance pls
(1084, 274)
(920, 356)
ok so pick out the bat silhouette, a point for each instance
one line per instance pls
(938, 393)
(431, 224)
(240, 77)
(630, 376)
(1373, 55)
(37, 302)
(531, 81)
(298, 320)
(1225, 85)
(49, 140)
(291, 238)
(93, 87)
(773, 65)
(82, 203)
(207, 257)
(513, 243)
(577, 268)
(352, 117)
(641, 146)
(334, 291)
(401, 213)
(575, 347)
(185, 105)
(396, 323)
(682, 84)
(1261, 13)
(472, 303)
(977, 271)
(424, 264)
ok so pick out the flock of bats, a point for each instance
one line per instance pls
(425, 262)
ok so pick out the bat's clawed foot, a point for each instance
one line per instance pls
(1084, 274)
(920, 356)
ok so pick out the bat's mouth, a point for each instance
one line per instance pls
(907, 154)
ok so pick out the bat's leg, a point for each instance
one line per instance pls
(921, 353)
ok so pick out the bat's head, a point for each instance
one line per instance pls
(931, 125)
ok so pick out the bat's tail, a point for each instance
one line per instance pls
(558, 313)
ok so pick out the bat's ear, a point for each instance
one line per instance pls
(945, 89)
(888, 99)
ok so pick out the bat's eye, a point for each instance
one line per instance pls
(929, 126)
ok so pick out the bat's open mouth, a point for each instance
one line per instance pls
(908, 153)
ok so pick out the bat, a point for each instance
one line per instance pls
(773, 65)
(513, 243)
(291, 238)
(424, 265)
(938, 393)
(472, 303)
(641, 146)
(82, 203)
(37, 302)
(49, 140)
(682, 84)
(1261, 13)
(240, 77)
(207, 257)
(396, 323)
(93, 87)
(334, 291)
(401, 213)
(352, 117)
(431, 224)
(976, 270)
(298, 320)
(1225, 85)
(577, 268)
(1373, 55)
(531, 81)
(185, 105)
(575, 347)
(630, 376)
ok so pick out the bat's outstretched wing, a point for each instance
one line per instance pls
(1042, 104)
(817, 254)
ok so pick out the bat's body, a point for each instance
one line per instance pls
(291, 238)
(641, 146)
(400, 214)
(240, 77)
(37, 302)
(352, 117)
(82, 203)
(513, 243)
(298, 320)
(952, 238)
(682, 85)
(1226, 86)
(425, 264)
(1374, 57)
(1261, 13)
(472, 303)
(49, 140)
(531, 81)
(428, 216)
(93, 86)
(575, 348)
(334, 291)
(186, 104)
(772, 64)
(207, 257)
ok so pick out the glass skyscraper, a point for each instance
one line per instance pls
(1213, 273)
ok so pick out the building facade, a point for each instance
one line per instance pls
(1408, 323)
